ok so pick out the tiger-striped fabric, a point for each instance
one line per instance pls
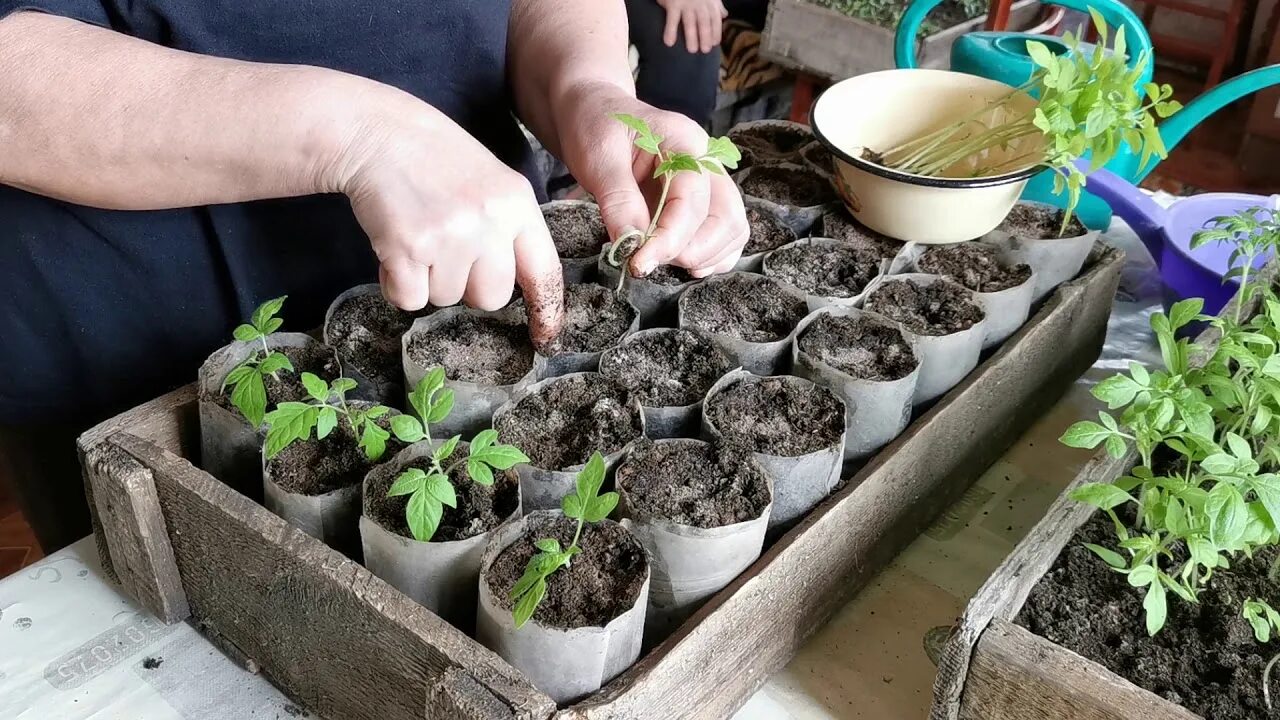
(741, 67)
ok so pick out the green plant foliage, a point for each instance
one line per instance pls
(586, 505)
(293, 422)
(248, 379)
(721, 153)
(1212, 488)
(888, 13)
(1089, 104)
(430, 491)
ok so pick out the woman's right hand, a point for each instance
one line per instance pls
(702, 21)
(447, 220)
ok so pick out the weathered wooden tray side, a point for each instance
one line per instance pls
(991, 669)
(338, 639)
(804, 36)
(726, 651)
(348, 646)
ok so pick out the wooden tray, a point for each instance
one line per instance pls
(348, 646)
(992, 669)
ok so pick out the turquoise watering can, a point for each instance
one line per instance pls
(1003, 56)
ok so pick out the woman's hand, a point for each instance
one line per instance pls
(448, 221)
(703, 227)
(702, 21)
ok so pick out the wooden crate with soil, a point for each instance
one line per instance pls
(187, 545)
(1058, 632)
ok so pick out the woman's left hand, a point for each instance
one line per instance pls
(703, 226)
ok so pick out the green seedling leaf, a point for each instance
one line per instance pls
(1184, 312)
(373, 440)
(445, 451)
(591, 478)
(408, 429)
(1109, 556)
(528, 602)
(1142, 576)
(637, 124)
(1085, 434)
(249, 396)
(724, 152)
(1117, 391)
(289, 423)
(484, 439)
(441, 406)
(1227, 515)
(274, 363)
(500, 457)
(479, 473)
(266, 311)
(438, 487)
(326, 421)
(1103, 496)
(548, 545)
(599, 508)
(423, 515)
(246, 333)
(318, 389)
(343, 386)
(571, 505)
(1157, 610)
(410, 481)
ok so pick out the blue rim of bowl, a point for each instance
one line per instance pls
(891, 174)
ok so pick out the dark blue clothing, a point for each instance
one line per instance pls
(102, 309)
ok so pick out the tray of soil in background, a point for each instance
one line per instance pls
(769, 142)
(486, 356)
(701, 513)
(749, 317)
(669, 370)
(769, 231)
(1033, 234)
(578, 232)
(837, 224)
(870, 363)
(947, 321)
(828, 272)
(1004, 288)
(365, 330)
(800, 194)
(595, 319)
(558, 423)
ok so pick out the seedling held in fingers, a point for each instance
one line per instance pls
(721, 153)
(248, 379)
(430, 490)
(291, 422)
(586, 505)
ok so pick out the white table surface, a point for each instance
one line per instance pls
(73, 648)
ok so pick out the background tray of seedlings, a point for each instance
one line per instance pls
(751, 495)
(1176, 621)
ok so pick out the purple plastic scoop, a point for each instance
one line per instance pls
(1167, 234)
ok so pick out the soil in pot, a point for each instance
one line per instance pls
(775, 417)
(577, 230)
(858, 347)
(817, 155)
(316, 467)
(561, 424)
(315, 358)
(940, 308)
(693, 484)
(600, 584)
(788, 186)
(827, 270)
(672, 368)
(480, 508)
(366, 331)
(595, 318)
(839, 225)
(973, 265)
(769, 143)
(1205, 659)
(669, 276)
(767, 232)
(1039, 222)
(476, 349)
(750, 307)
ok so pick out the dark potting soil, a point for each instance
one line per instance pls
(818, 155)
(859, 347)
(671, 368)
(316, 358)
(839, 225)
(476, 349)
(577, 230)
(599, 585)
(669, 276)
(940, 308)
(366, 332)
(693, 484)
(561, 424)
(767, 232)
(794, 187)
(769, 143)
(1039, 222)
(480, 508)
(1205, 659)
(751, 307)
(777, 416)
(316, 467)
(973, 265)
(840, 271)
(595, 318)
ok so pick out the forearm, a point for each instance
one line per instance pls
(99, 118)
(559, 49)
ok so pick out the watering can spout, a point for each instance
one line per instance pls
(1142, 213)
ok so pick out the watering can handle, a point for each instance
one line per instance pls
(1142, 213)
(1116, 15)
